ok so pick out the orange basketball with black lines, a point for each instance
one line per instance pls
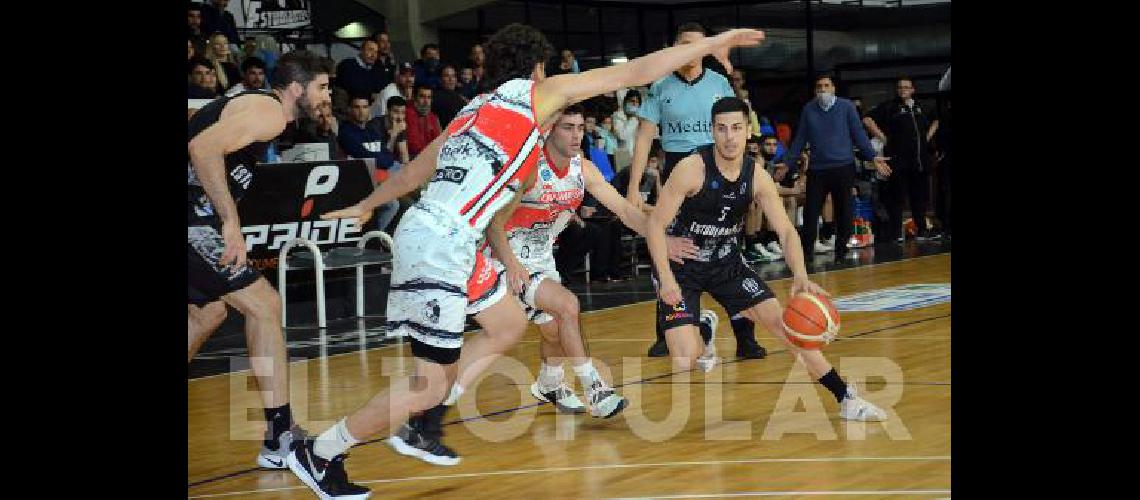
(810, 320)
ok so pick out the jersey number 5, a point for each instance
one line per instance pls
(723, 213)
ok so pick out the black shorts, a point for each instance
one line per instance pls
(729, 280)
(208, 280)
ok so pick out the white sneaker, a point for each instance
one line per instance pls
(561, 396)
(708, 359)
(854, 407)
(604, 402)
(775, 248)
(821, 247)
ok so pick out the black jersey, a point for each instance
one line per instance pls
(714, 217)
(238, 163)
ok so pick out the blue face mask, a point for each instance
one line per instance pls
(826, 100)
(631, 109)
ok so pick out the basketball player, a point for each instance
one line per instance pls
(546, 208)
(226, 138)
(480, 166)
(710, 193)
(678, 105)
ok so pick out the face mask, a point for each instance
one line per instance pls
(631, 109)
(826, 99)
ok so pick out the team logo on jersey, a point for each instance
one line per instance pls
(431, 311)
(751, 286)
(714, 184)
(546, 175)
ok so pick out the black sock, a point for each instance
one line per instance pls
(836, 385)
(826, 230)
(430, 423)
(279, 420)
(767, 237)
(743, 328)
(706, 331)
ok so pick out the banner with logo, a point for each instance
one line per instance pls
(898, 298)
(276, 14)
(285, 201)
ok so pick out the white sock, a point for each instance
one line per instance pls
(334, 441)
(550, 376)
(586, 373)
(456, 392)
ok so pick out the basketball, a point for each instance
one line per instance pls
(810, 320)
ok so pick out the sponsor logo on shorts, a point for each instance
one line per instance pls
(751, 286)
(678, 315)
(431, 311)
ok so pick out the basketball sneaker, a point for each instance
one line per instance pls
(561, 396)
(854, 407)
(326, 478)
(275, 458)
(604, 402)
(409, 441)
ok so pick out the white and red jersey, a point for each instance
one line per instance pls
(545, 209)
(492, 145)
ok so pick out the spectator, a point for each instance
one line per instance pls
(428, 66)
(943, 142)
(566, 64)
(467, 85)
(625, 124)
(594, 143)
(423, 125)
(403, 86)
(394, 129)
(355, 74)
(194, 19)
(741, 92)
(446, 101)
(190, 48)
(361, 141)
(203, 82)
(223, 62)
(216, 19)
(323, 129)
(253, 77)
(358, 139)
(261, 46)
(385, 65)
(830, 125)
(905, 130)
(477, 60)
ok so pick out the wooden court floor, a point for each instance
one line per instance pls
(751, 428)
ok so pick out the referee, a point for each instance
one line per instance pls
(680, 105)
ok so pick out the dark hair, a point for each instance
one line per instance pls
(299, 66)
(198, 61)
(766, 137)
(367, 41)
(905, 77)
(730, 105)
(822, 75)
(194, 6)
(689, 27)
(512, 52)
(376, 36)
(252, 62)
(575, 109)
(359, 95)
(418, 87)
(754, 139)
(428, 46)
(396, 100)
(630, 95)
(449, 65)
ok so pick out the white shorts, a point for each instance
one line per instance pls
(539, 270)
(434, 260)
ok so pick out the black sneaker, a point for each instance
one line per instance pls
(411, 442)
(326, 478)
(750, 349)
(659, 349)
